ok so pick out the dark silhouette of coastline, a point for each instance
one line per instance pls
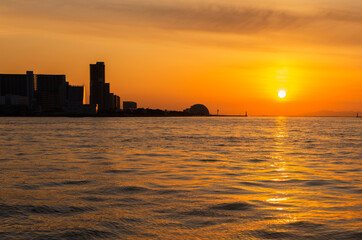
(46, 95)
(139, 112)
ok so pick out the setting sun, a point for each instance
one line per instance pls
(282, 93)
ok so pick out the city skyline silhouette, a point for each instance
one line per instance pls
(233, 56)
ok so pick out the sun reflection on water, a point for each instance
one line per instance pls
(279, 166)
(276, 200)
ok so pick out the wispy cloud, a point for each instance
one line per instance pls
(339, 26)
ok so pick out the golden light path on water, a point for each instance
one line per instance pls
(137, 178)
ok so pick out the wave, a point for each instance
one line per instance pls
(236, 206)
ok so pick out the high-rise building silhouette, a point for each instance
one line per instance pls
(97, 82)
(50, 92)
(100, 90)
(30, 93)
(17, 90)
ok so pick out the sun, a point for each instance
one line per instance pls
(282, 93)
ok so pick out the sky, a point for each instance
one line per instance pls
(230, 55)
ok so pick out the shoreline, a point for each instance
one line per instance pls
(161, 116)
(116, 115)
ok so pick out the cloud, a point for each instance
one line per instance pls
(195, 17)
(335, 25)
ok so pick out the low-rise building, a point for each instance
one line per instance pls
(128, 105)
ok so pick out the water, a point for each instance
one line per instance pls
(180, 178)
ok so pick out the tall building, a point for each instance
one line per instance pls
(97, 82)
(17, 89)
(106, 95)
(100, 90)
(51, 92)
(30, 93)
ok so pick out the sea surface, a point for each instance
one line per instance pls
(181, 178)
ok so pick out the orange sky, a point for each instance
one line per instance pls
(171, 54)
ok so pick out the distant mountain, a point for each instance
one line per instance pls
(333, 114)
